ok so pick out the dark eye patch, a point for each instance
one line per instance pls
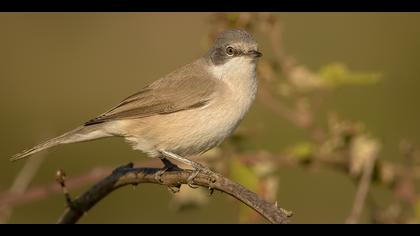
(220, 55)
(238, 52)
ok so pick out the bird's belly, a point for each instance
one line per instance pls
(187, 132)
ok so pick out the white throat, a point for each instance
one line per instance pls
(236, 67)
(240, 75)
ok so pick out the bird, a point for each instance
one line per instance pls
(184, 113)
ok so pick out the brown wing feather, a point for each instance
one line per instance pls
(174, 92)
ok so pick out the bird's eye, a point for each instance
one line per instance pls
(230, 51)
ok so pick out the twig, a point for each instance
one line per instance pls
(61, 180)
(278, 107)
(20, 184)
(126, 175)
(43, 191)
(362, 191)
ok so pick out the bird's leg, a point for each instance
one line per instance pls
(195, 165)
(168, 166)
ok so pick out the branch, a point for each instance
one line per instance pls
(43, 191)
(126, 175)
(362, 191)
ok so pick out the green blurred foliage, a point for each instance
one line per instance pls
(248, 178)
(337, 75)
(302, 151)
(244, 175)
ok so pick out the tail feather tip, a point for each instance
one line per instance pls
(18, 156)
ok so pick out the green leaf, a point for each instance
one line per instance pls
(302, 151)
(249, 179)
(244, 175)
(337, 74)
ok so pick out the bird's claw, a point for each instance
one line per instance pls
(169, 166)
(197, 169)
(174, 189)
(191, 178)
(158, 175)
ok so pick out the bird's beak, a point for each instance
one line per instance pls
(254, 53)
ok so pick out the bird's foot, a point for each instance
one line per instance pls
(190, 180)
(158, 175)
(174, 189)
(169, 166)
(197, 169)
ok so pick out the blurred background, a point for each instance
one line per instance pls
(333, 135)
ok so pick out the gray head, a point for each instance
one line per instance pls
(233, 43)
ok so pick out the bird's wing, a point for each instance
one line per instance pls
(174, 92)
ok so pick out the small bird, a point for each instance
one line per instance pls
(187, 112)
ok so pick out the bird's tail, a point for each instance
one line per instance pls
(80, 134)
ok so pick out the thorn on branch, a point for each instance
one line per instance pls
(286, 212)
